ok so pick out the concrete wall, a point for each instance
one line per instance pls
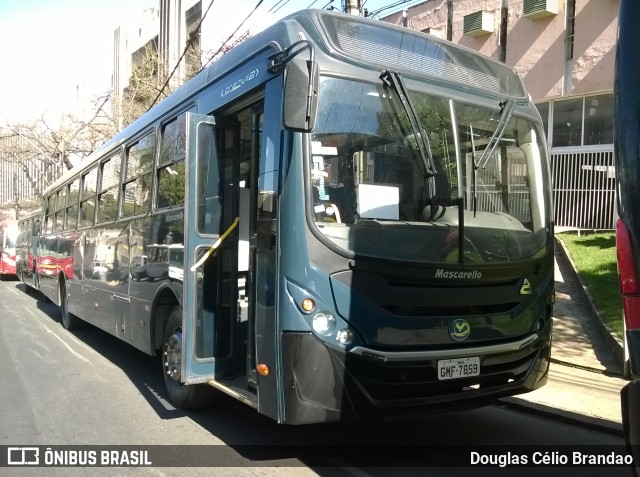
(536, 48)
(594, 49)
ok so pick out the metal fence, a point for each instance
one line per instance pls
(584, 184)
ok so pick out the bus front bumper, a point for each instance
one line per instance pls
(324, 384)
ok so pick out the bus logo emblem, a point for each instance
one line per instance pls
(525, 289)
(459, 330)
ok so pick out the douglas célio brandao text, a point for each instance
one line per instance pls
(551, 458)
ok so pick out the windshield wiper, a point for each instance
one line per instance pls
(506, 110)
(474, 170)
(393, 80)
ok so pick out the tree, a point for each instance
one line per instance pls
(42, 151)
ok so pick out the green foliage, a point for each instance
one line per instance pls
(171, 185)
(594, 255)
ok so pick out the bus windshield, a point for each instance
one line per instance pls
(11, 235)
(373, 192)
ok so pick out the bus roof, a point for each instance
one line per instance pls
(358, 40)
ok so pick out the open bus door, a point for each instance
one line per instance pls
(202, 341)
(217, 319)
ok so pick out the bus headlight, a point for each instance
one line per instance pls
(324, 323)
(344, 336)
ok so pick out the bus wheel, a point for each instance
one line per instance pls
(184, 396)
(69, 321)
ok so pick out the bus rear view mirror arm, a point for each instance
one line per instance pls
(300, 86)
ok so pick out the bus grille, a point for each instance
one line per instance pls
(390, 381)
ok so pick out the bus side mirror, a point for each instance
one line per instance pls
(300, 95)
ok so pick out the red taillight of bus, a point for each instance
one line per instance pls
(629, 284)
(626, 266)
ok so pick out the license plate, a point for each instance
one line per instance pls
(458, 368)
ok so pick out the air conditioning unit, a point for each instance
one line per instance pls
(478, 23)
(535, 9)
(434, 31)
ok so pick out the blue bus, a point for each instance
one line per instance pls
(355, 219)
(627, 146)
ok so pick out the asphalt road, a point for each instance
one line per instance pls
(88, 388)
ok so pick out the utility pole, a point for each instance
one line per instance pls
(504, 20)
(16, 197)
(353, 6)
(449, 20)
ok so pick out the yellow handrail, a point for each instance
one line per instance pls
(216, 244)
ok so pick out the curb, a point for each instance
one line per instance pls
(615, 344)
(582, 420)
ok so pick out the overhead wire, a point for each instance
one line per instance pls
(231, 36)
(277, 3)
(284, 4)
(184, 52)
(274, 9)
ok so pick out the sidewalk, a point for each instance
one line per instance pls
(585, 377)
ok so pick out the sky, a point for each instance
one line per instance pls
(56, 54)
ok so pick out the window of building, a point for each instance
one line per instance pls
(567, 122)
(570, 30)
(543, 109)
(584, 121)
(598, 119)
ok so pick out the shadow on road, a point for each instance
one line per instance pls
(253, 440)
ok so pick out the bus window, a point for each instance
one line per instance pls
(171, 168)
(61, 201)
(108, 194)
(137, 180)
(209, 191)
(49, 214)
(87, 204)
(73, 195)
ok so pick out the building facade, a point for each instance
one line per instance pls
(164, 32)
(22, 177)
(564, 51)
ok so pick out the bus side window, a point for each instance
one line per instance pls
(49, 215)
(171, 168)
(60, 209)
(209, 194)
(136, 188)
(88, 196)
(73, 193)
(108, 194)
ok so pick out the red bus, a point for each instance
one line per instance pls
(8, 236)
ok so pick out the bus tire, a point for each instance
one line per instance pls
(69, 321)
(183, 396)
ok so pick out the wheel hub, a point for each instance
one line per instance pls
(173, 355)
